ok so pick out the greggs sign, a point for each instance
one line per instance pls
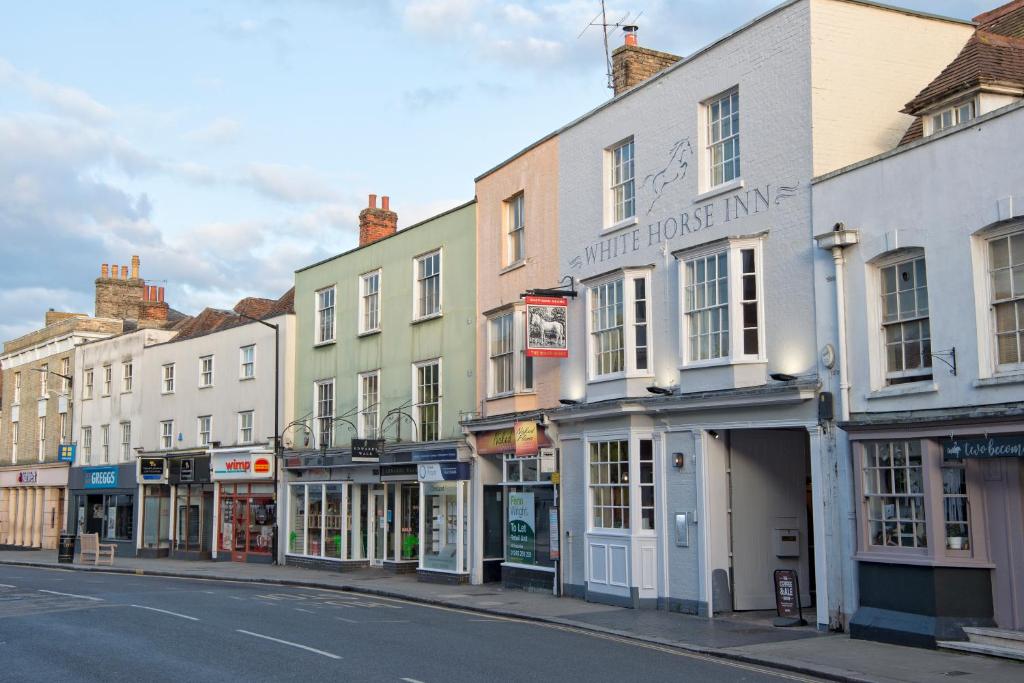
(233, 466)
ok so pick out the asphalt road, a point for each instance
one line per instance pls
(58, 625)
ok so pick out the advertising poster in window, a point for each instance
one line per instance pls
(521, 528)
(546, 327)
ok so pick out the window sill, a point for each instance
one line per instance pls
(619, 375)
(720, 362)
(206, 386)
(323, 343)
(368, 333)
(997, 380)
(922, 560)
(910, 389)
(521, 263)
(166, 393)
(736, 184)
(426, 318)
(624, 223)
(246, 379)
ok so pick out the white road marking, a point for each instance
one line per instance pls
(6, 585)
(286, 642)
(411, 680)
(72, 595)
(307, 611)
(163, 611)
(350, 621)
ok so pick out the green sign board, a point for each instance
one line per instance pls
(1004, 446)
(521, 529)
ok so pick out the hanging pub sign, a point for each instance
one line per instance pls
(367, 450)
(1003, 446)
(546, 327)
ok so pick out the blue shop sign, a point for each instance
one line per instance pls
(440, 454)
(100, 477)
(1001, 446)
(66, 452)
(444, 471)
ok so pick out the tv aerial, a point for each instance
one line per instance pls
(627, 23)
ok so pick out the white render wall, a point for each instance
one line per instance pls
(119, 406)
(228, 396)
(933, 195)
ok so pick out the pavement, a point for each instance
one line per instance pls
(736, 638)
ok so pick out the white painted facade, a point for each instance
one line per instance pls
(807, 74)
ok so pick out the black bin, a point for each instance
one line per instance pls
(66, 549)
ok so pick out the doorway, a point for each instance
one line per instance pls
(248, 515)
(377, 516)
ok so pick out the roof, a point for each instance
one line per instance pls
(987, 59)
(1006, 20)
(212, 320)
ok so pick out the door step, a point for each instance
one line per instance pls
(992, 642)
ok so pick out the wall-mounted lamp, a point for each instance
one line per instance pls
(568, 401)
(660, 391)
(713, 434)
(782, 377)
(679, 460)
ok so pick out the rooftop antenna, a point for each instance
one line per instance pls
(626, 23)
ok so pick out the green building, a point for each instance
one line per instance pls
(377, 469)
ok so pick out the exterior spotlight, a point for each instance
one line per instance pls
(679, 460)
(568, 401)
(713, 434)
(661, 391)
(782, 377)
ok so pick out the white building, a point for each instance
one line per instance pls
(694, 463)
(209, 432)
(927, 285)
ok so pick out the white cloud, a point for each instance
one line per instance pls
(425, 98)
(61, 98)
(288, 183)
(439, 16)
(220, 131)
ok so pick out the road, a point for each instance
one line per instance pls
(60, 625)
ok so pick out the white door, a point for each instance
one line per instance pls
(376, 513)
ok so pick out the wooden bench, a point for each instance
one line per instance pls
(98, 552)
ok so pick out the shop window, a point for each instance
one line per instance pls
(297, 520)
(955, 506)
(194, 517)
(441, 526)
(529, 499)
(332, 521)
(894, 492)
(314, 519)
(156, 513)
(117, 526)
(609, 484)
(410, 527)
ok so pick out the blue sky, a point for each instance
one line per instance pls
(230, 143)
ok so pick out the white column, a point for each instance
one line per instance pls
(37, 537)
(172, 520)
(216, 540)
(460, 510)
(18, 517)
(423, 538)
(12, 512)
(827, 531)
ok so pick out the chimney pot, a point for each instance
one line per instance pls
(385, 203)
(630, 32)
(104, 270)
(124, 272)
(160, 294)
(135, 267)
(113, 271)
(373, 201)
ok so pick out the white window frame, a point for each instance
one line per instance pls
(710, 143)
(15, 430)
(506, 354)
(88, 379)
(44, 379)
(515, 230)
(936, 121)
(243, 363)
(17, 388)
(613, 215)
(367, 411)
(65, 369)
(318, 430)
(417, 283)
(127, 376)
(108, 380)
(206, 376)
(629, 324)
(417, 406)
(204, 437)
(167, 378)
(105, 444)
(166, 435)
(86, 445)
(896, 377)
(42, 438)
(63, 428)
(734, 260)
(320, 323)
(365, 299)
(520, 361)
(126, 441)
(992, 343)
(243, 428)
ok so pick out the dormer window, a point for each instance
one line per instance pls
(952, 116)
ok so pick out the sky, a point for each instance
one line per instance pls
(230, 143)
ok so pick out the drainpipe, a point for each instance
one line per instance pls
(835, 242)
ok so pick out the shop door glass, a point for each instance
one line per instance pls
(227, 522)
(241, 527)
(380, 528)
(206, 538)
(410, 521)
(261, 524)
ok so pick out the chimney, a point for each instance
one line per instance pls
(160, 294)
(113, 271)
(124, 272)
(632, 64)
(135, 267)
(376, 224)
(104, 271)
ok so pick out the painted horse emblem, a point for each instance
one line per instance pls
(678, 161)
(549, 329)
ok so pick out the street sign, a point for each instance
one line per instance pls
(367, 450)
(553, 544)
(787, 599)
(153, 469)
(66, 452)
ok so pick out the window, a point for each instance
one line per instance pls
(206, 371)
(907, 335)
(14, 442)
(606, 314)
(44, 379)
(117, 522)
(104, 444)
(167, 435)
(623, 193)
(42, 439)
(723, 134)
(127, 373)
(721, 293)
(65, 369)
(369, 302)
(17, 388)
(609, 484)
(646, 484)
(516, 229)
(947, 118)
(325, 412)
(325, 315)
(63, 427)
(168, 379)
(1006, 271)
(640, 344)
(894, 494)
(205, 428)
(369, 404)
(247, 362)
(955, 507)
(502, 347)
(245, 427)
(108, 374)
(86, 445)
(428, 395)
(126, 441)
(87, 384)
(428, 285)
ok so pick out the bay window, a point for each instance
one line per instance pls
(722, 317)
(502, 354)
(619, 336)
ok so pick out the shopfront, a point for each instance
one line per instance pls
(103, 502)
(244, 505)
(192, 493)
(32, 501)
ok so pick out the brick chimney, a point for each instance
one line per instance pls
(128, 298)
(376, 224)
(632, 64)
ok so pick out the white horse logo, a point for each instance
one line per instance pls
(549, 328)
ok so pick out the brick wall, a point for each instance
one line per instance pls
(376, 224)
(632, 64)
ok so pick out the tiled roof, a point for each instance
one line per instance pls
(254, 307)
(987, 58)
(1007, 20)
(212, 320)
(915, 132)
